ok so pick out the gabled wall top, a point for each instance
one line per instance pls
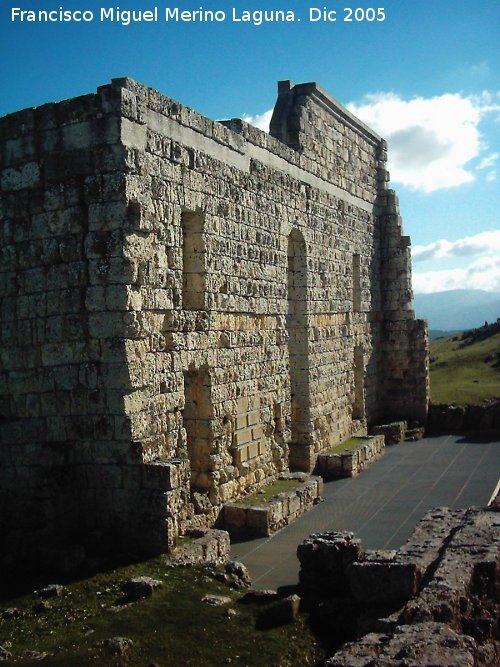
(288, 118)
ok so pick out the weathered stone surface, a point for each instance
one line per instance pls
(324, 559)
(379, 581)
(280, 612)
(477, 419)
(394, 433)
(259, 596)
(239, 571)
(267, 518)
(467, 572)
(351, 462)
(216, 600)
(421, 644)
(190, 308)
(433, 602)
(208, 546)
(140, 587)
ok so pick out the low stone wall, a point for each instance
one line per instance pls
(352, 461)
(394, 432)
(434, 601)
(264, 519)
(444, 418)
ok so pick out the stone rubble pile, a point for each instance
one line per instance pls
(434, 601)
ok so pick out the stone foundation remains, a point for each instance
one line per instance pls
(353, 461)
(241, 519)
(472, 419)
(434, 601)
(190, 308)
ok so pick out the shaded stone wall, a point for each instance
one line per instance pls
(57, 412)
(206, 306)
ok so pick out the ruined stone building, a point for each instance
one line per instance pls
(190, 307)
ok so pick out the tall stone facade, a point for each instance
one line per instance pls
(189, 308)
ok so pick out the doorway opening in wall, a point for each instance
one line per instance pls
(197, 416)
(193, 260)
(298, 349)
(358, 408)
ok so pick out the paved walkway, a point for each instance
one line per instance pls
(384, 503)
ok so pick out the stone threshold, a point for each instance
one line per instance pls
(242, 520)
(349, 463)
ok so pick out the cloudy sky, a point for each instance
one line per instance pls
(426, 78)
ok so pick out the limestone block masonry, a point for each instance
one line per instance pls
(349, 463)
(189, 309)
(241, 519)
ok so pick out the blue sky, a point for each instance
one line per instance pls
(427, 78)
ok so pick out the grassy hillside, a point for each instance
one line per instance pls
(465, 369)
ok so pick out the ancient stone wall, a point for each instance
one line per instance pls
(192, 307)
(57, 409)
(433, 601)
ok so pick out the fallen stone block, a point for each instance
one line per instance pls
(216, 600)
(280, 612)
(259, 596)
(239, 572)
(394, 432)
(140, 587)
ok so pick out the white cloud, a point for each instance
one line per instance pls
(484, 243)
(491, 176)
(432, 141)
(482, 274)
(261, 121)
(488, 161)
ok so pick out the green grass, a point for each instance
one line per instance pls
(173, 627)
(267, 494)
(351, 443)
(464, 375)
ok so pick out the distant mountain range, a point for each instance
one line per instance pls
(457, 310)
